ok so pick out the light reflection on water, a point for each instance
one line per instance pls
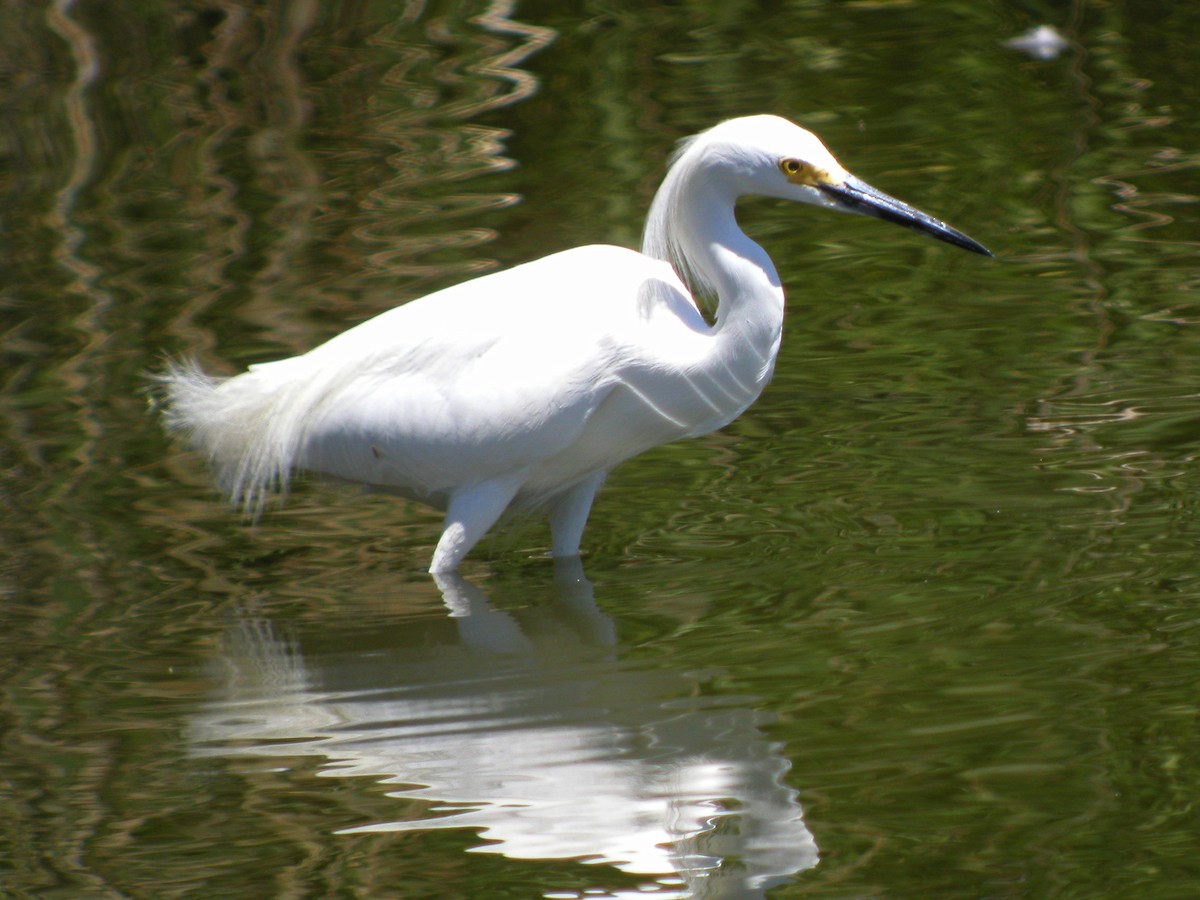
(536, 732)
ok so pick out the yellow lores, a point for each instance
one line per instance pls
(800, 172)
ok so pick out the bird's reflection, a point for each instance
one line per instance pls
(538, 733)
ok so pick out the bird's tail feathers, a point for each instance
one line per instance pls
(241, 423)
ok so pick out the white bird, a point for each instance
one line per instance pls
(525, 387)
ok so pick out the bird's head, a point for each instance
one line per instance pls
(772, 157)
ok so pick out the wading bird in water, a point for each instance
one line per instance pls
(525, 387)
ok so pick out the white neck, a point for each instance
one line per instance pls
(692, 225)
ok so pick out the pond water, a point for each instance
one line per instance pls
(924, 622)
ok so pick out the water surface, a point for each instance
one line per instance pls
(922, 623)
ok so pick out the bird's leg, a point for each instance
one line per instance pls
(470, 513)
(569, 513)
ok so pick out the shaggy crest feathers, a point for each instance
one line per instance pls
(720, 148)
(661, 236)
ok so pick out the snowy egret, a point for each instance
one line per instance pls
(523, 388)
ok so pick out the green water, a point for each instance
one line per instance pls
(923, 623)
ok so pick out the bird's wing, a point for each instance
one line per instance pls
(479, 379)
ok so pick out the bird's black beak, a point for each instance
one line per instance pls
(855, 195)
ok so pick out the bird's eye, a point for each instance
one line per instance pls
(800, 172)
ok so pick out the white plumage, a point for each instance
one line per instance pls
(527, 386)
